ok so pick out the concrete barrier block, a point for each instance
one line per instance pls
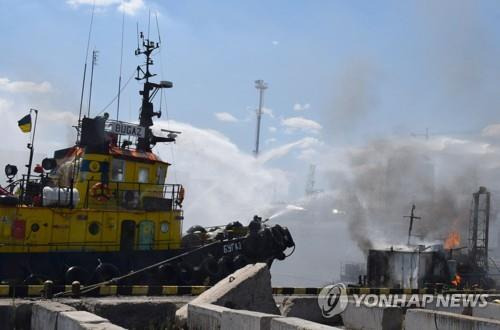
(79, 320)
(44, 314)
(293, 323)
(15, 314)
(490, 311)
(464, 310)
(417, 319)
(204, 316)
(372, 318)
(246, 320)
(135, 312)
(249, 288)
(307, 308)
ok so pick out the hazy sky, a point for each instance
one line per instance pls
(355, 69)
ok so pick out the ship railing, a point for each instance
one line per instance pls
(114, 195)
(133, 196)
(26, 190)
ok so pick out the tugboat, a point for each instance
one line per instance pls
(101, 209)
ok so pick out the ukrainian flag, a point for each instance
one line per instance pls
(25, 124)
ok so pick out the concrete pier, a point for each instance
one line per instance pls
(417, 319)
(246, 320)
(293, 323)
(306, 307)
(45, 314)
(243, 300)
(248, 288)
(372, 318)
(15, 314)
(490, 311)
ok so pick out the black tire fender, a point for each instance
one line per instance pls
(287, 238)
(240, 261)
(106, 271)
(76, 273)
(34, 279)
(226, 265)
(168, 273)
(278, 237)
(185, 273)
(210, 266)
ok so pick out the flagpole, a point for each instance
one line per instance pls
(31, 147)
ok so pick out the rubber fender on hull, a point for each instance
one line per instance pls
(34, 279)
(199, 275)
(278, 237)
(211, 267)
(168, 273)
(287, 237)
(76, 273)
(268, 239)
(196, 228)
(185, 273)
(226, 265)
(240, 261)
(106, 271)
(252, 246)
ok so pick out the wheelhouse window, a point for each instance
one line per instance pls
(161, 172)
(143, 175)
(118, 170)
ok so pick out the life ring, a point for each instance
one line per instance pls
(94, 166)
(100, 192)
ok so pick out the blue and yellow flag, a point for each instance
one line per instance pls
(25, 124)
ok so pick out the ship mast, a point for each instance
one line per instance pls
(148, 92)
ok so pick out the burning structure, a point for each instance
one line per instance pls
(449, 264)
(408, 267)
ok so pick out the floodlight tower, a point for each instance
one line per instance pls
(310, 180)
(261, 86)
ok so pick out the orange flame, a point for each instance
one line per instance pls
(456, 280)
(452, 241)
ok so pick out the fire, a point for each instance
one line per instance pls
(452, 241)
(456, 280)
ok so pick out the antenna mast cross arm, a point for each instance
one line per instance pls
(148, 93)
(411, 217)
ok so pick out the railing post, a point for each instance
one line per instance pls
(174, 204)
(117, 195)
(139, 198)
(87, 195)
